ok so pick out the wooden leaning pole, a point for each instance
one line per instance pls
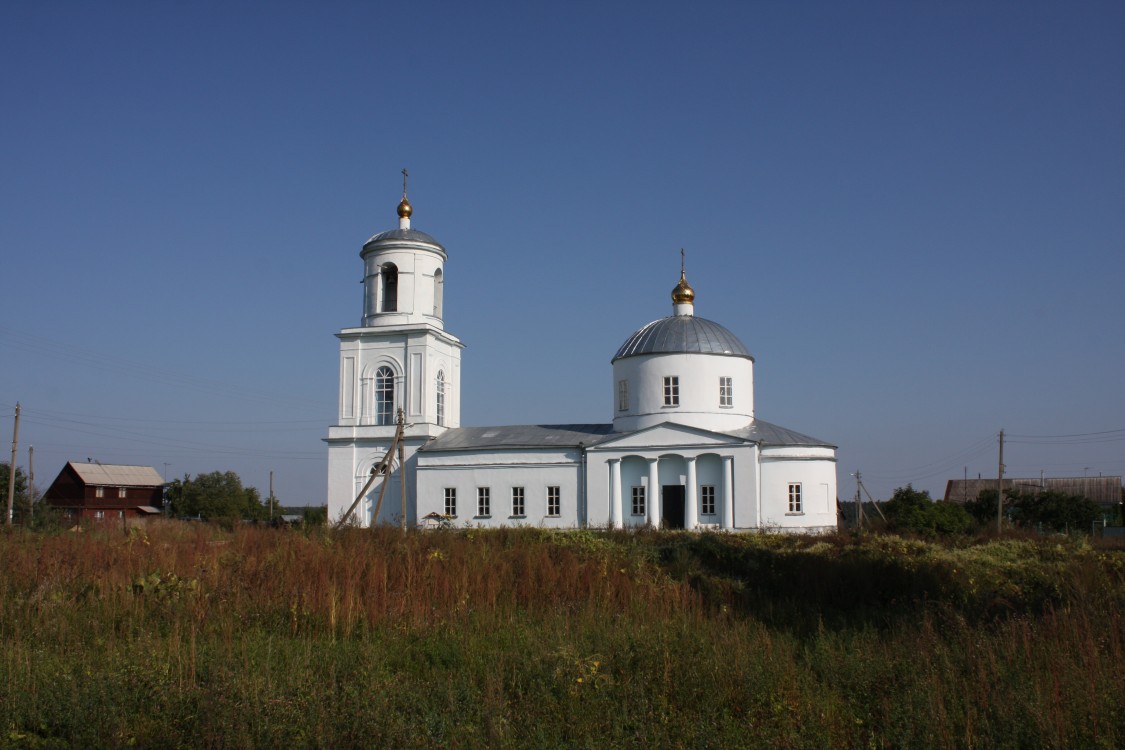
(384, 469)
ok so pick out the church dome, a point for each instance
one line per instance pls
(409, 235)
(404, 233)
(683, 334)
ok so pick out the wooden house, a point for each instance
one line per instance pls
(106, 492)
(1105, 491)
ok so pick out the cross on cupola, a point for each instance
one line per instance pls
(404, 208)
(683, 296)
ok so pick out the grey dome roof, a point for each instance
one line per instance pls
(411, 235)
(683, 334)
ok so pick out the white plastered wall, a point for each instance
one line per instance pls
(698, 376)
(814, 468)
(500, 471)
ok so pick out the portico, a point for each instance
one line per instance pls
(664, 487)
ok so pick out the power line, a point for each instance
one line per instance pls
(939, 466)
(1074, 434)
(115, 364)
(71, 415)
(188, 445)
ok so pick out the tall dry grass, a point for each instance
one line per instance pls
(186, 636)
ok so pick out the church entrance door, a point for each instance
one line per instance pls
(672, 507)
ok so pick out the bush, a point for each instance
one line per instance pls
(1048, 510)
(912, 511)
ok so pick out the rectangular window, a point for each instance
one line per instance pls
(726, 392)
(795, 498)
(554, 501)
(99, 514)
(622, 395)
(638, 501)
(451, 502)
(99, 492)
(484, 501)
(707, 499)
(121, 492)
(517, 501)
(672, 391)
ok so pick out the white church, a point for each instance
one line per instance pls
(683, 450)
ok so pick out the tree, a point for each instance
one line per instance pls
(317, 516)
(983, 508)
(1049, 510)
(914, 511)
(219, 494)
(20, 501)
(1055, 510)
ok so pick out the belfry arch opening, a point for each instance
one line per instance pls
(389, 288)
(439, 288)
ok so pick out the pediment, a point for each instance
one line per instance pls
(667, 435)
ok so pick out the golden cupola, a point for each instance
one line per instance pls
(404, 207)
(683, 294)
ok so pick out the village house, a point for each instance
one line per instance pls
(105, 492)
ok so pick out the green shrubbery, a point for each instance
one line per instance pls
(1046, 510)
(186, 636)
(213, 496)
(912, 511)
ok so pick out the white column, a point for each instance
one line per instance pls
(691, 497)
(365, 406)
(615, 493)
(757, 487)
(728, 492)
(654, 493)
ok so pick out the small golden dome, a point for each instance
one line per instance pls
(404, 209)
(683, 294)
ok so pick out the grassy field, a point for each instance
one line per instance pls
(188, 636)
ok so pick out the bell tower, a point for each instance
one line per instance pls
(400, 356)
(403, 274)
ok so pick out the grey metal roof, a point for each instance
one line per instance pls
(683, 334)
(573, 435)
(767, 434)
(411, 235)
(120, 476)
(518, 436)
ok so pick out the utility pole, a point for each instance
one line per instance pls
(30, 484)
(858, 502)
(402, 466)
(1000, 488)
(12, 465)
(271, 494)
(873, 501)
(381, 470)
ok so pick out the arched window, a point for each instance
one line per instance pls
(390, 288)
(439, 287)
(384, 396)
(440, 390)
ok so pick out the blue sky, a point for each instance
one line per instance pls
(912, 213)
